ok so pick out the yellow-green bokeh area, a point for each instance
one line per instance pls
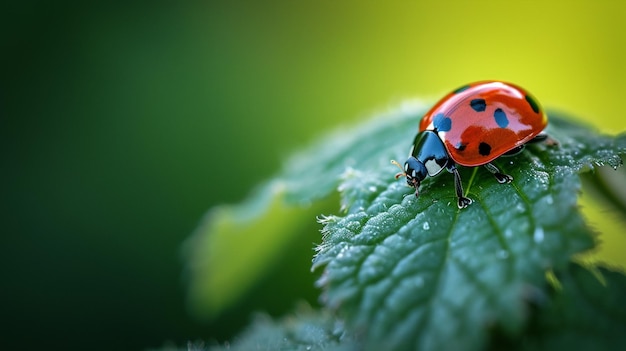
(336, 59)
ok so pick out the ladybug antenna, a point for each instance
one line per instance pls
(402, 173)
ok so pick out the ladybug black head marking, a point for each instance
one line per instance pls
(415, 172)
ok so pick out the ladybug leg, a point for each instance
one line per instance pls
(514, 151)
(500, 177)
(462, 200)
(545, 138)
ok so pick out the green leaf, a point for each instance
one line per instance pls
(406, 272)
(421, 274)
(586, 312)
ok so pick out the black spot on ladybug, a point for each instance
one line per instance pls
(460, 146)
(501, 118)
(442, 123)
(533, 104)
(479, 105)
(463, 88)
(484, 149)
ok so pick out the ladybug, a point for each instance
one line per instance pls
(472, 126)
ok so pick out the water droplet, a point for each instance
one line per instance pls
(538, 235)
(426, 226)
(502, 254)
(372, 189)
(508, 232)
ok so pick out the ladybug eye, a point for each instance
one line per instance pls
(413, 174)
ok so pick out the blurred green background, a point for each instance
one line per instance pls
(123, 122)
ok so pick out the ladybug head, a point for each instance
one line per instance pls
(414, 171)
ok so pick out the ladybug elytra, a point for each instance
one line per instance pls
(472, 126)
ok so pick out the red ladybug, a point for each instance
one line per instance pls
(472, 126)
